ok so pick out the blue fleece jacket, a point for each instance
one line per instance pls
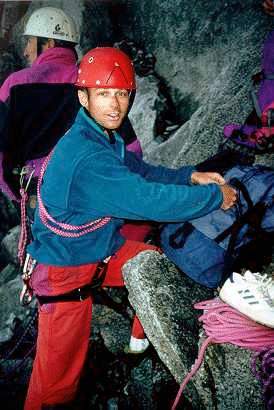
(89, 178)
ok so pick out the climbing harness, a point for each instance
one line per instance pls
(79, 294)
(223, 324)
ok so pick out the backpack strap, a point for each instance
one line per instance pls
(78, 294)
(235, 182)
(178, 238)
(252, 217)
(257, 210)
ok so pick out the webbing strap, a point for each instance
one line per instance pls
(81, 293)
(178, 238)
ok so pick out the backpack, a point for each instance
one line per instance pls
(38, 115)
(207, 248)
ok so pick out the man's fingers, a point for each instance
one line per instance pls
(217, 178)
(229, 196)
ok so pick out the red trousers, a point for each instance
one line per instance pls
(64, 329)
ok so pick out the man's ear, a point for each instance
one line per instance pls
(83, 98)
(49, 44)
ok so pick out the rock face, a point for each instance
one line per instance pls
(9, 244)
(143, 120)
(163, 298)
(206, 52)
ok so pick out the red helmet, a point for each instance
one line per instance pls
(106, 67)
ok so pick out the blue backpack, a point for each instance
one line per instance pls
(206, 248)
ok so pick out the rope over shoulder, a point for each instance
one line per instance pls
(63, 229)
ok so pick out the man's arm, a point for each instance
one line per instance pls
(18, 77)
(5, 90)
(110, 188)
(158, 173)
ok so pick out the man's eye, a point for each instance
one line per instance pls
(123, 94)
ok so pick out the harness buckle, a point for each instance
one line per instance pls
(27, 292)
(25, 171)
(80, 295)
(25, 295)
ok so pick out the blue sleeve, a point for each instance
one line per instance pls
(109, 188)
(153, 173)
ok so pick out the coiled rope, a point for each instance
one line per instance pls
(223, 324)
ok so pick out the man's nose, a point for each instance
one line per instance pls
(25, 52)
(114, 102)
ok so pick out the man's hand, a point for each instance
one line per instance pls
(203, 178)
(229, 196)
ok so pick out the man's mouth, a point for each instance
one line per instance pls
(114, 116)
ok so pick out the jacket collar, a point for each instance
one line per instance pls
(83, 117)
(86, 120)
(59, 55)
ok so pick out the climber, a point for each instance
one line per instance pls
(50, 51)
(89, 176)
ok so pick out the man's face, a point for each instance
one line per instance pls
(108, 106)
(30, 51)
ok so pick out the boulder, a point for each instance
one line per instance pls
(9, 244)
(163, 298)
(143, 113)
(10, 272)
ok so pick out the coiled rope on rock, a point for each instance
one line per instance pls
(223, 324)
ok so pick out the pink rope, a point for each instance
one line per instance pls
(45, 216)
(223, 324)
(23, 233)
(193, 371)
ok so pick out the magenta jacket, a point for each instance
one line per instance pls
(55, 65)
